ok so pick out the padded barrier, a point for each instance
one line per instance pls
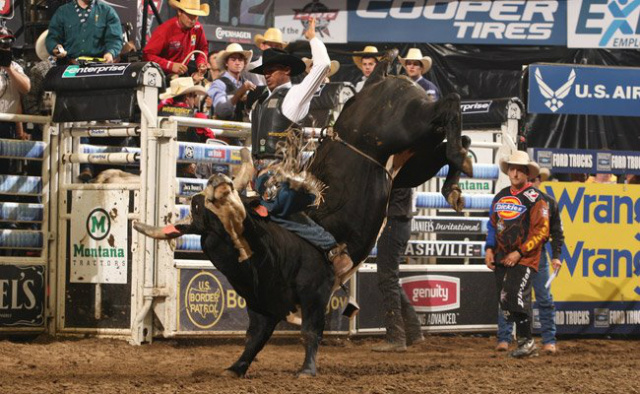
(19, 212)
(436, 200)
(21, 239)
(480, 171)
(14, 149)
(15, 184)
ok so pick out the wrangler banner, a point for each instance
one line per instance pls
(597, 290)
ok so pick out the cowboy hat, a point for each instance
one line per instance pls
(180, 86)
(520, 158)
(41, 49)
(545, 174)
(335, 66)
(191, 7)
(273, 35)
(369, 51)
(416, 54)
(221, 57)
(281, 57)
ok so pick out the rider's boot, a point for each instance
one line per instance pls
(340, 259)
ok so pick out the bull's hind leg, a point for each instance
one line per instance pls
(451, 116)
(260, 330)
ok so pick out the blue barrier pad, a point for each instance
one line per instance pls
(21, 239)
(15, 184)
(435, 200)
(18, 212)
(16, 149)
(188, 243)
(191, 152)
(480, 171)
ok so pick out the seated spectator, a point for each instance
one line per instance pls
(335, 66)
(85, 28)
(415, 66)
(366, 60)
(172, 43)
(229, 92)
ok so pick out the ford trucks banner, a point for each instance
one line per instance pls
(584, 90)
(580, 161)
(603, 24)
(598, 287)
(508, 22)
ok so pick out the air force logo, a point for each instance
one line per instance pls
(554, 97)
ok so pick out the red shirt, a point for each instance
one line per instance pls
(171, 44)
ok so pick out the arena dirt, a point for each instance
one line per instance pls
(444, 364)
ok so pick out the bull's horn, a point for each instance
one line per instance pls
(167, 232)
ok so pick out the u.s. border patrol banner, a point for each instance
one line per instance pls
(598, 288)
(603, 24)
(584, 90)
(504, 22)
(582, 161)
(291, 18)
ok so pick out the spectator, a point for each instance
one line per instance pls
(366, 61)
(13, 84)
(632, 179)
(543, 294)
(34, 102)
(85, 28)
(602, 178)
(173, 42)
(272, 38)
(229, 92)
(415, 65)
(335, 66)
(518, 228)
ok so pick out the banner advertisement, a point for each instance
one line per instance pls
(603, 24)
(448, 225)
(22, 296)
(446, 298)
(584, 90)
(597, 290)
(98, 245)
(207, 302)
(541, 22)
(291, 18)
(581, 161)
(6, 9)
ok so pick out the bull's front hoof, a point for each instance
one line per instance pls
(456, 200)
(306, 374)
(229, 373)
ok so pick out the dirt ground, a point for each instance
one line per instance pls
(444, 364)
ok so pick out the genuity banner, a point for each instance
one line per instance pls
(598, 287)
(584, 90)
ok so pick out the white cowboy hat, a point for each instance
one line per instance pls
(180, 86)
(273, 34)
(416, 54)
(232, 48)
(520, 158)
(41, 48)
(191, 7)
(369, 51)
(545, 174)
(335, 66)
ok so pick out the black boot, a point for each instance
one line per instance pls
(395, 340)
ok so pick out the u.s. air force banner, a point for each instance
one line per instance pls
(598, 287)
(584, 90)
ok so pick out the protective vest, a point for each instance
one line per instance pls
(238, 112)
(268, 125)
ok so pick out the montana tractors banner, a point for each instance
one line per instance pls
(598, 287)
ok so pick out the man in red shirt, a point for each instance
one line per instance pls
(175, 39)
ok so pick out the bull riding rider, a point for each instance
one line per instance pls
(518, 229)
(275, 113)
(175, 39)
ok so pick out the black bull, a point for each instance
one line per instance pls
(391, 115)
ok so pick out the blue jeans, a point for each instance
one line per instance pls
(302, 225)
(544, 299)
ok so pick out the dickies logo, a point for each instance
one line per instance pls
(432, 293)
(509, 208)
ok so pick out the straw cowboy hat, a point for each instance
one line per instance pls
(221, 57)
(180, 86)
(335, 66)
(273, 35)
(520, 158)
(416, 54)
(369, 51)
(191, 7)
(41, 49)
(280, 57)
(545, 174)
